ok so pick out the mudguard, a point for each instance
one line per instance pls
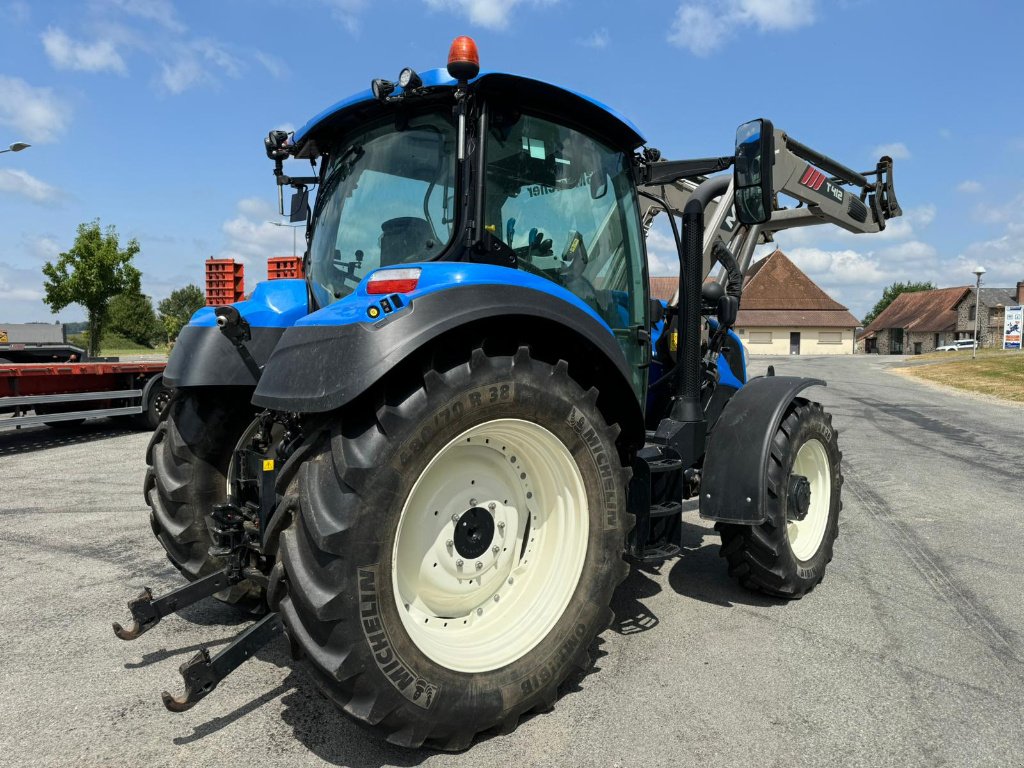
(733, 483)
(203, 356)
(332, 356)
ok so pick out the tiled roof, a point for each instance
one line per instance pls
(664, 288)
(795, 318)
(921, 311)
(992, 297)
(777, 283)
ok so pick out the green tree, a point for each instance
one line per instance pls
(93, 271)
(889, 296)
(132, 316)
(177, 308)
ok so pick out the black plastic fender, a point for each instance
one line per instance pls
(205, 357)
(318, 368)
(732, 487)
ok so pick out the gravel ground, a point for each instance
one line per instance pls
(909, 653)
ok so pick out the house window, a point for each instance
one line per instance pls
(760, 337)
(830, 337)
(973, 309)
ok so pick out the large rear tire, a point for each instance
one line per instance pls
(453, 547)
(188, 458)
(786, 556)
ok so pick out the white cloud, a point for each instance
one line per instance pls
(26, 185)
(35, 113)
(897, 150)
(161, 12)
(65, 53)
(969, 187)
(17, 284)
(704, 26)
(43, 247)
(598, 39)
(347, 12)
(662, 257)
(1002, 256)
(252, 238)
(492, 14)
(199, 63)
(277, 68)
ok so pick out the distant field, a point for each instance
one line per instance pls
(115, 345)
(994, 372)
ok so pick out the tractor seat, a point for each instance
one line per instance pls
(406, 238)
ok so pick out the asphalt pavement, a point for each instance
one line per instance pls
(910, 653)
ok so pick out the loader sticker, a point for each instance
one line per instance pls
(406, 682)
(3, 336)
(609, 481)
(816, 180)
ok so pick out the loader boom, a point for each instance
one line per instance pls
(827, 192)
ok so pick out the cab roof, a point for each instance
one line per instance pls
(537, 96)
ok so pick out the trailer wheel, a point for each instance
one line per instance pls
(188, 458)
(454, 548)
(156, 408)
(786, 556)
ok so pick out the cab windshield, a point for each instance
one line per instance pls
(565, 204)
(387, 198)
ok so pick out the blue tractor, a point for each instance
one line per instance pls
(429, 463)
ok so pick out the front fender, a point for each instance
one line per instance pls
(733, 482)
(203, 356)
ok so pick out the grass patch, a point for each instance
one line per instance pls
(994, 372)
(114, 344)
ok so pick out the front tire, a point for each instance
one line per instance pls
(454, 548)
(188, 458)
(786, 556)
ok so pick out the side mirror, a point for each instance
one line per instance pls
(300, 206)
(755, 156)
(656, 311)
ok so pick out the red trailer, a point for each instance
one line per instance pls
(69, 393)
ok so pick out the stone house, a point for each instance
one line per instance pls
(916, 323)
(991, 309)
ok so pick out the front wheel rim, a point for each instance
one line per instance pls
(490, 545)
(805, 536)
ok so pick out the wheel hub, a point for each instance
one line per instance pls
(799, 498)
(474, 532)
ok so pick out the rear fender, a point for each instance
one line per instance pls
(733, 483)
(333, 356)
(203, 356)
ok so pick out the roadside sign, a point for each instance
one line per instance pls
(1012, 326)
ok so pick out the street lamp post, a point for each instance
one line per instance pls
(16, 147)
(978, 271)
(294, 227)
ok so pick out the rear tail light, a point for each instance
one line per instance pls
(393, 281)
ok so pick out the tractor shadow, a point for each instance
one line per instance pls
(39, 438)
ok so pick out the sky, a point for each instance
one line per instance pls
(150, 115)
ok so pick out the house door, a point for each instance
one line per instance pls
(794, 343)
(917, 347)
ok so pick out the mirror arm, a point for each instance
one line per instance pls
(668, 171)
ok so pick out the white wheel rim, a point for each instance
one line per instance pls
(474, 618)
(805, 536)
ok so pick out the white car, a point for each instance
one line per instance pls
(958, 344)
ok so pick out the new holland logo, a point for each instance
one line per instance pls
(816, 180)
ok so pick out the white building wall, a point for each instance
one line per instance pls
(813, 341)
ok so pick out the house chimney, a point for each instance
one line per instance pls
(1020, 292)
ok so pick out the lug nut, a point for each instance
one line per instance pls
(472, 502)
(492, 506)
(495, 549)
(501, 525)
(511, 580)
(449, 543)
(455, 518)
(458, 563)
(497, 598)
(479, 611)
(479, 565)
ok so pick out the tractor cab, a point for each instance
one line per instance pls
(492, 168)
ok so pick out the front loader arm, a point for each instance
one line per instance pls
(827, 191)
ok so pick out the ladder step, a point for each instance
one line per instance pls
(666, 509)
(658, 552)
(665, 464)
